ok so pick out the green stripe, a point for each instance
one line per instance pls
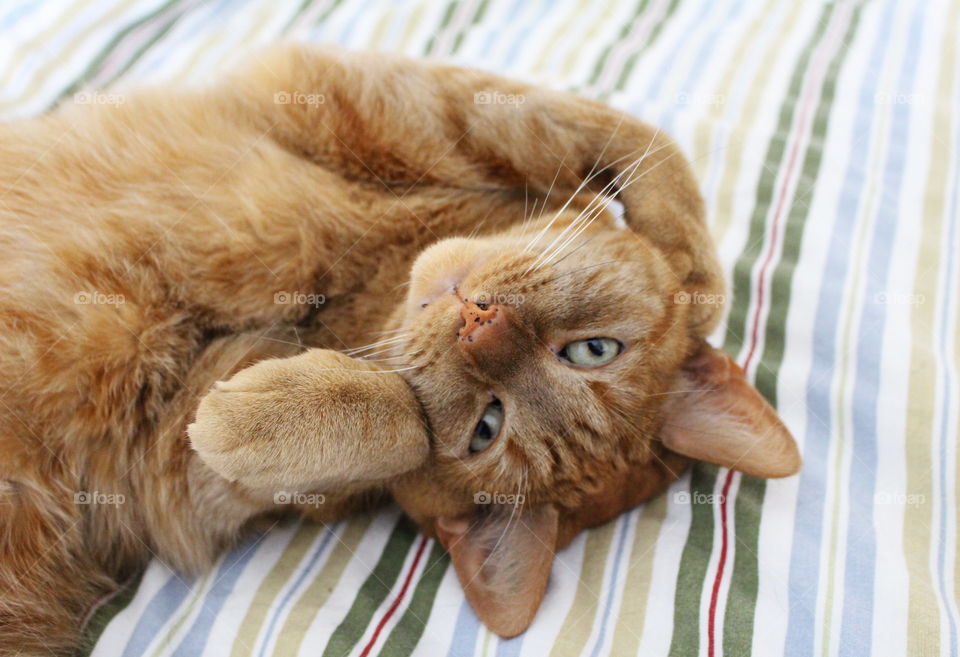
(477, 17)
(406, 635)
(374, 590)
(654, 33)
(742, 598)
(693, 564)
(109, 48)
(624, 31)
(327, 12)
(444, 22)
(311, 601)
(304, 5)
(106, 613)
(742, 292)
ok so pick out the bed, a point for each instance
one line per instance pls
(825, 136)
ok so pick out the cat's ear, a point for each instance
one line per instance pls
(715, 415)
(503, 558)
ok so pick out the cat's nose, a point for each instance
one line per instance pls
(482, 324)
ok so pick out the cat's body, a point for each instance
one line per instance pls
(153, 248)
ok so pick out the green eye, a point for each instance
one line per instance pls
(593, 352)
(488, 428)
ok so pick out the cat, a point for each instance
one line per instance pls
(354, 276)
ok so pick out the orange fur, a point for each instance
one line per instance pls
(154, 248)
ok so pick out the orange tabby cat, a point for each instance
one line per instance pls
(544, 358)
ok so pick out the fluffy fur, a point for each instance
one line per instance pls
(154, 248)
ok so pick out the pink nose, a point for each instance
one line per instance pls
(482, 325)
(490, 339)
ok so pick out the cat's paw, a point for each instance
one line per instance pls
(316, 420)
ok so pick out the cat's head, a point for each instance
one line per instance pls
(564, 376)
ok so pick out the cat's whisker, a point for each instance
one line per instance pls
(584, 223)
(376, 345)
(385, 350)
(595, 212)
(586, 181)
(596, 204)
(390, 331)
(270, 339)
(606, 188)
(399, 369)
(572, 251)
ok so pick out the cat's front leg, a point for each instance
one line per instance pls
(318, 421)
(400, 122)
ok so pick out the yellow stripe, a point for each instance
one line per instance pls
(701, 145)
(557, 39)
(574, 55)
(747, 119)
(416, 17)
(639, 575)
(197, 593)
(923, 613)
(848, 348)
(312, 600)
(578, 624)
(54, 65)
(275, 580)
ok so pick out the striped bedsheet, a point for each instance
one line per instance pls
(826, 137)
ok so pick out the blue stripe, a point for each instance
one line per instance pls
(42, 54)
(464, 632)
(685, 36)
(856, 633)
(495, 31)
(947, 594)
(11, 17)
(614, 580)
(288, 596)
(155, 615)
(512, 53)
(225, 580)
(160, 51)
(510, 647)
(690, 84)
(807, 538)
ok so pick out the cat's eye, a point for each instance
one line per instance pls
(488, 428)
(591, 353)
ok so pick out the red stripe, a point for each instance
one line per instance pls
(761, 279)
(398, 599)
(754, 340)
(712, 618)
